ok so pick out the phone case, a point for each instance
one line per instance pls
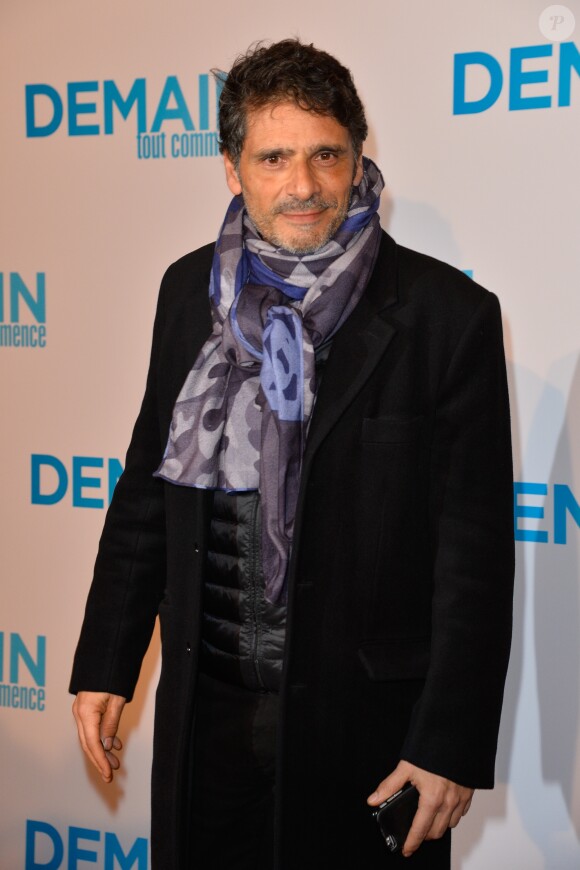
(396, 814)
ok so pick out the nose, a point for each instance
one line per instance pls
(302, 182)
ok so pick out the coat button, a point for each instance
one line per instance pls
(187, 648)
(196, 547)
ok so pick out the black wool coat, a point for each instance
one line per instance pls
(400, 583)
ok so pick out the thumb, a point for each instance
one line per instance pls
(391, 784)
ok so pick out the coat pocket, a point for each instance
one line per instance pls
(396, 659)
(390, 430)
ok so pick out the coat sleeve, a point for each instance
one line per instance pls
(129, 576)
(455, 723)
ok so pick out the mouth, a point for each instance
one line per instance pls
(303, 217)
(306, 212)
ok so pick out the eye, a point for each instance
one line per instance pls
(326, 156)
(272, 160)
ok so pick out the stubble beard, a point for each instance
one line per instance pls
(307, 241)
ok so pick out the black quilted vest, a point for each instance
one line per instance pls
(243, 635)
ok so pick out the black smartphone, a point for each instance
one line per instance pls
(395, 816)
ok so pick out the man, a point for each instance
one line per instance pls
(326, 534)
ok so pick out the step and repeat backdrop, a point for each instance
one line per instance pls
(110, 171)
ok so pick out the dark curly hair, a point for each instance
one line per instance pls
(287, 70)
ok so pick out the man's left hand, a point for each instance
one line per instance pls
(442, 803)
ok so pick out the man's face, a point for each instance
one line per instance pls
(296, 172)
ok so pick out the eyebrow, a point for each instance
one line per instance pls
(263, 153)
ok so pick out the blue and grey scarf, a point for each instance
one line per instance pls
(241, 418)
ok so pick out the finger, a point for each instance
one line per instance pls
(110, 743)
(461, 810)
(110, 719)
(94, 749)
(79, 714)
(113, 760)
(89, 711)
(430, 821)
(449, 815)
(454, 805)
(109, 725)
(108, 715)
(457, 815)
(441, 822)
(419, 829)
(389, 786)
(88, 722)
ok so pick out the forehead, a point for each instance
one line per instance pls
(286, 125)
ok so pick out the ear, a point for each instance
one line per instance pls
(358, 171)
(232, 178)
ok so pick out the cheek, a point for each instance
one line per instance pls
(341, 189)
(254, 203)
(265, 199)
(344, 197)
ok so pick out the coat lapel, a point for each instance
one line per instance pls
(357, 349)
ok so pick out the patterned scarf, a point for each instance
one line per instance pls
(241, 418)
